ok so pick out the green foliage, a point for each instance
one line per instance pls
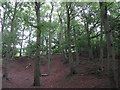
(82, 11)
(30, 49)
(55, 49)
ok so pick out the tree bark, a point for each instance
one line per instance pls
(113, 74)
(42, 44)
(3, 22)
(29, 40)
(89, 42)
(37, 61)
(21, 44)
(12, 28)
(49, 51)
(101, 49)
(5, 63)
(46, 39)
(72, 70)
(13, 18)
(5, 60)
(76, 53)
(61, 38)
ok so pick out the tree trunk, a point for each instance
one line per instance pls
(89, 42)
(5, 60)
(37, 61)
(5, 68)
(101, 49)
(113, 74)
(12, 28)
(69, 40)
(65, 50)
(46, 46)
(5, 63)
(13, 18)
(21, 44)
(76, 53)
(61, 46)
(42, 45)
(3, 22)
(49, 52)
(29, 40)
(61, 38)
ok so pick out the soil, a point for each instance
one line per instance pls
(86, 77)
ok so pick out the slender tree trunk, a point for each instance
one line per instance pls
(113, 74)
(21, 44)
(59, 41)
(76, 53)
(68, 36)
(49, 54)
(101, 49)
(29, 41)
(37, 61)
(47, 46)
(5, 63)
(42, 45)
(30, 32)
(3, 22)
(72, 70)
(12, 29)
(65, 50)
(61, 46)
(76, 46)
(5, 68)
(89, 42)
(5, 60)
(13, 18)
(61, 38)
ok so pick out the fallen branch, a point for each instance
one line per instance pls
(44, 74)
(29, 65)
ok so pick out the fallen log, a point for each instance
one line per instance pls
(44, 74)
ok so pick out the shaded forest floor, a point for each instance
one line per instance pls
(86, 77)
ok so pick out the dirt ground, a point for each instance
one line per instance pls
(86, 77)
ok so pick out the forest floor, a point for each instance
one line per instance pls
(86, 77)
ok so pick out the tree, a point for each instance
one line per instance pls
(62, 33)
(110, 46)
(74, 28)
(89, 41)
(12, 27)
(4, 67)
(69, 11)
(101, 49)
(76, 47)
(21, 44)
(10, 36)
(37, 61)
(49, 39)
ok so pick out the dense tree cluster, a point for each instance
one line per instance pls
(39, 28)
